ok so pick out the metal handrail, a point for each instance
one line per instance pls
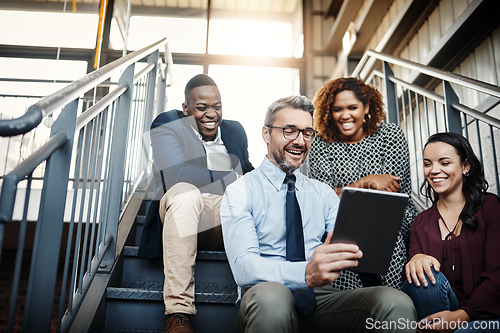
(103, 103)
(144, 71)
(51, 103)
(10, 181)
(99, 145)
(417, 89)
(460, 107)
(428, 70)
(478, 115)
(408, 105)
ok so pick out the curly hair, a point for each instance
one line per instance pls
(325, 98)
(474, 184)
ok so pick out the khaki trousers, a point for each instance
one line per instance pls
(270, 307)
(190, 221)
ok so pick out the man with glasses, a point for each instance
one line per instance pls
(274, 220)
(291, 133)
(196, 155)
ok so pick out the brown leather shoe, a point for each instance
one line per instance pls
(178, 323)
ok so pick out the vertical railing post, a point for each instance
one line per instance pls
(150, 102)
(390, 89)
(154, 95)
(161, 90)
(452, 115)
(49, 227)
(117, 165)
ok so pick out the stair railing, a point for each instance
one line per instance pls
(14, 149)
(422, 112)
(94, 161)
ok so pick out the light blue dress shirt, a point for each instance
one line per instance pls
(254, 227)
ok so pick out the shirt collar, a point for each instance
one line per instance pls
(276, 176)
(217, 140)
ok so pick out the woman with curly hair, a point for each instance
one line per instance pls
(453, 276)
(355, 147)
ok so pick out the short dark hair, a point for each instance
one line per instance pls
(198, 80)
(474, 185)
(295, 102)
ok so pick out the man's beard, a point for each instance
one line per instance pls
(280, 158)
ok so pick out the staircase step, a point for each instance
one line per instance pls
(211, 267)
(140, 316)
(136, 304)
(139, 219)
(133, 251)
(153, 291)
(134, 237)
(134, 294)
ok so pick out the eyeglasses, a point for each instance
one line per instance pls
(292, 133)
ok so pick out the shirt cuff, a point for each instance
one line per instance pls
(295, 275)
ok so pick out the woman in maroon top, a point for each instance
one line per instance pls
(453, 275)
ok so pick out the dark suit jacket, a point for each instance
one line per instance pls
(179, 156)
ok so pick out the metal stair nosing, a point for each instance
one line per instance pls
(132, 251)
(153, 291)
(136, 302)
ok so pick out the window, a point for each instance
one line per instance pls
(248, 38)
(246, 94)
(185, 35)
(37, 69)
(48, 29)
(181, 75)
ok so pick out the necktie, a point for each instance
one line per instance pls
(305, 302)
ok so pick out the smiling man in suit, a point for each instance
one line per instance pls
(196, 155)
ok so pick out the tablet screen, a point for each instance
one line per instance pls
(372, 220)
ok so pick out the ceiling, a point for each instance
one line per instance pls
(251, 6)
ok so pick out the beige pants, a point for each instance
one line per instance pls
(190, 221)
(270, 307)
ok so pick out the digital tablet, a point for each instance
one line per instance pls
(371, 219)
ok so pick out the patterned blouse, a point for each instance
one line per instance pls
(339, 164)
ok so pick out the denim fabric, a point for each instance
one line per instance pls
(433, 298)
(440, 297)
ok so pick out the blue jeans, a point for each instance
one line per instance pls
(440, 297)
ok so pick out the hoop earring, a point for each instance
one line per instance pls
(367, 117)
